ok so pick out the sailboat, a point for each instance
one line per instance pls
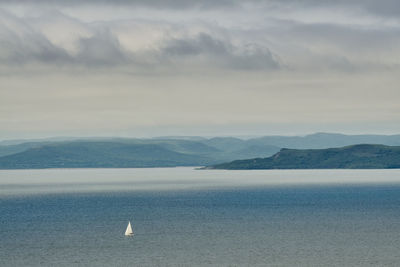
(129, 231)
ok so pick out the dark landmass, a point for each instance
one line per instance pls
(349, 157)
(98, 155)
(169, 151)
(122, 153)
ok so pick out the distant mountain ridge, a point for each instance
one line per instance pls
(316, 140)
(349, 157)
(326, 140)
(70, 152)
(98, 155)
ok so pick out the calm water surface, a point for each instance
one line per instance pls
(184, 217)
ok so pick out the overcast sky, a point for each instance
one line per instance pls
(186, 67)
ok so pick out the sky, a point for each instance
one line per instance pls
(145, 68)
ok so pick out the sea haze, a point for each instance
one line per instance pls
(187, 217)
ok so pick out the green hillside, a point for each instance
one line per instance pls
(349, 157)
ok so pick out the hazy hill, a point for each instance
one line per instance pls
(123, 152)
(325, 140)
(13, 149)
(226, 143)
(350, 157)
(163, 151)
(99, 155)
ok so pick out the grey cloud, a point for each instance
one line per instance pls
(265, 47)
(377, 7)
(347, 38)
(21, 43)
(201, 44)
(255, 57)
(164, 4)
(19, 50)
(387, 7)
(101, 49)
(330, 46)
(382, 7)
(250, 56)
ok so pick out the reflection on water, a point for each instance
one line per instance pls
(184, 217)
(271, 226)
(14, 182)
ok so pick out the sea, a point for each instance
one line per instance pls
(191, 217)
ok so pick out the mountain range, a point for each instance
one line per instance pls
(72, 152)
(349, 157)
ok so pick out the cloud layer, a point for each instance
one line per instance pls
(34, 40)
(254, 35)
(88, 66)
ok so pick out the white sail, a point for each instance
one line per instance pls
(129, 229)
